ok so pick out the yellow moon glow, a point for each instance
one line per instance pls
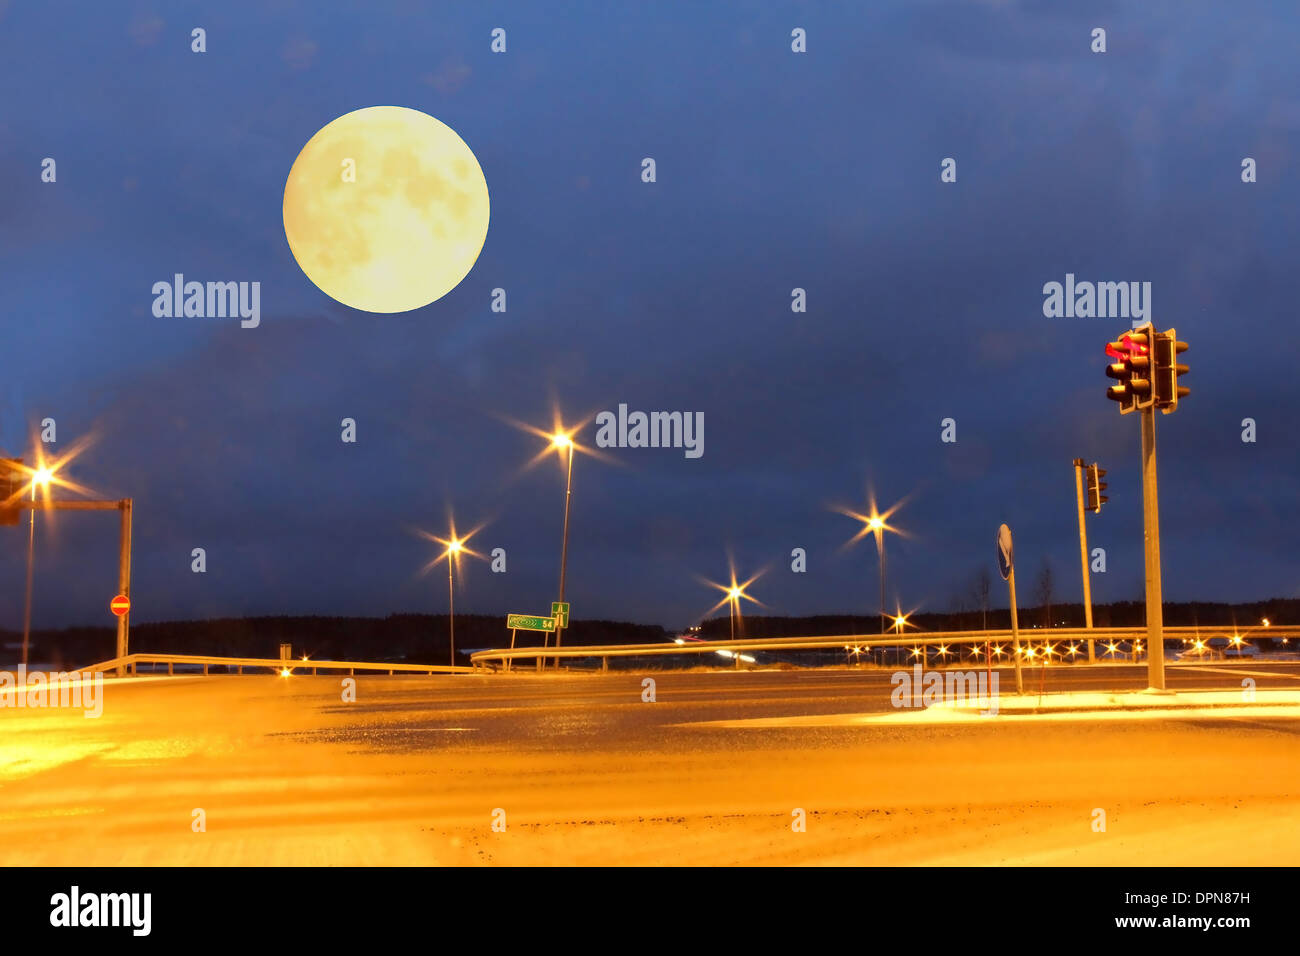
(407, 230)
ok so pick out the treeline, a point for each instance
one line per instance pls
(421, 638)
(1120, 614)
(424, 638)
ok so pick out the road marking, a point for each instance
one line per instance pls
(1237, 670)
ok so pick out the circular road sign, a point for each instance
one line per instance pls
(1006, 557)
(120, 605)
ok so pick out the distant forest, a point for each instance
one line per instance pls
(423, 638)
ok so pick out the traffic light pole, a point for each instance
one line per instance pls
(1083, 557)
(1151, 533)
(123, 555)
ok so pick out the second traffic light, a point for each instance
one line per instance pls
(1167, 390)
(1095, 488)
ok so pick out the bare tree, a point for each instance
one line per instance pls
(1043, 591)
(980, 593)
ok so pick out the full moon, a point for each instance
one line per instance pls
(386, 209)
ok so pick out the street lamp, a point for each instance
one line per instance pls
(562, 441)
(876, 523)
(733, 594)
(43, 476)
(455, 547)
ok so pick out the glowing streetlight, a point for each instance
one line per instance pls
(560, 439)
(733, 594)
(876, 523)
(45, 474)
(454, 546)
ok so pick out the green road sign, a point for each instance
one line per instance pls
(530, 622)
(560, 610)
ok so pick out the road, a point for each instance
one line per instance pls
(580, 770)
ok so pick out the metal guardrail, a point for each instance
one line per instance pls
(864, 641)
(273, 663)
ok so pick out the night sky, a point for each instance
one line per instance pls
(775, 170)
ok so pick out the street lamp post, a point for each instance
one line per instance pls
(568, 493)
(560, 440)
(453, 549)
(878, 526)
(732, 607)
(876, 523)
(455, 545)
(42, 477)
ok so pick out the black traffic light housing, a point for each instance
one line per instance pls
(1095, 488)
(1131, 369)
(1119, 371)
(1140, 342)
(1167, 390)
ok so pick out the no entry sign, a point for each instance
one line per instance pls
(120, 605)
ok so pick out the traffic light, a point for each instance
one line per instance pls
(1167, 389)
(1119, 371)
(10, 490)
(1095, 488)
(1132, 369)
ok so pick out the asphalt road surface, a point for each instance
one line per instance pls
(579, 769)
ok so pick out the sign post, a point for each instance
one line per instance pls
(530, 622)
(1007, 567)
